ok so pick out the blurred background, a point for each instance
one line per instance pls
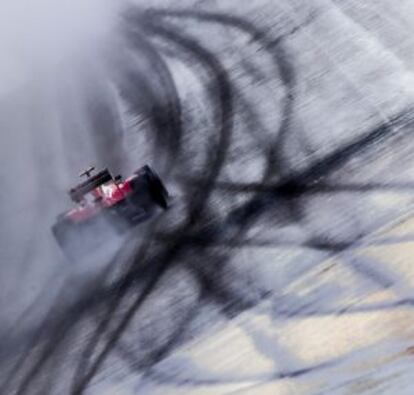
(282, 129)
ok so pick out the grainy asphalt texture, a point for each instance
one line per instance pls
(283, 130)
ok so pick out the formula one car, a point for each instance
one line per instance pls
(107, 204)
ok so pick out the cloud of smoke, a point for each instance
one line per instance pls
(47, 51)
(46, 34)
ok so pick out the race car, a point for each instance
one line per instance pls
(106, 205)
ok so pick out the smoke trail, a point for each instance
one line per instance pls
(54, 59)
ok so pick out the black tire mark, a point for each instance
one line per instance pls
(206, 279)
(157, 355)
(106, 130)
(225, 101)
(139, 92)
(313, 178)
(167, 117)
(292, 186)
(272, 46)
(223, 109)
(298, 189)
(56, 329)
(117, 293)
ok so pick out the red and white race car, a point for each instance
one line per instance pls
(106, 203)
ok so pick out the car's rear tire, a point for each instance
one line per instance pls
(157, 189)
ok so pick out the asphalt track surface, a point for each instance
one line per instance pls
(283, 130)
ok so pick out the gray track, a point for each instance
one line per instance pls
(282, 128)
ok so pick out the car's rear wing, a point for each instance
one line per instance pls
(77, 193)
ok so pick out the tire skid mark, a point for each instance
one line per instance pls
(235, 224)
(56, 329)
(224, 108)
(222, 295)
(218, 167)
(171, 253)
(272, 46)
(158, 354)
(167, 117)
